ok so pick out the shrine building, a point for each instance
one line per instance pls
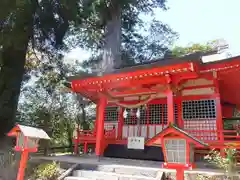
(135, 104)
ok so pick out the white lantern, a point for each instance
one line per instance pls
(125, 114)
(138, 113)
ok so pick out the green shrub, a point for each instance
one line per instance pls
(47, 171)
(227, 163)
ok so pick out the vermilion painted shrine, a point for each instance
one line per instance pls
(136, 104)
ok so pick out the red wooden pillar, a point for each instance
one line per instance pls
(100, 126)
(22, 166)
(180, 174)
(218, 109)
(170, 106)
(120, 123)
(85, 148)
(219, 119)
(179, 112)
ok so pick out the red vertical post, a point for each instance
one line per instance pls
(100, 126)
(96, 121)
(219, 119)
(85, 149)
(180, 174)
(179, 112)
(120, 123)
(22, 166)
(147, 116)
(188, 152)
(218, 109)
(170, 106)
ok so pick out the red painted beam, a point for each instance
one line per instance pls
(136, 82)
(221, 65)
(124, 83)
(158, 71)
(134, 92)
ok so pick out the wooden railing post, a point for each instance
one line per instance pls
(219, 120)
(22, 166)
(120, 123)
(220, 126)
(170, 106)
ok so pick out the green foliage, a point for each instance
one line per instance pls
(149, 43)
(50, 21)
(47, 171)
(181, 51)
(204, 177)
(43, 104)
(218, 45)
(97, 13)
(228, 163)
(51, 27)
(140, 40)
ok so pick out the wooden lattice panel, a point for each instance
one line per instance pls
(199, 118)
(134, 126)
(158, 114)
(111, 118)
(111, 114)
(153, 120)
(175, 150)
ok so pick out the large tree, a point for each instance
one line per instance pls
(25, 25)
(42, 25)
(116, 31)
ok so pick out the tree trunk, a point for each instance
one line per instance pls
(48, 130)
(11, 74)
(84, 123)
(13, 57)
(70, 136)
(112, 44)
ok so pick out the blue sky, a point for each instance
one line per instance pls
(198, 21)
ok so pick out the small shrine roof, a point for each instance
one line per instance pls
(187, 134)
(181, 131)
(29, 132)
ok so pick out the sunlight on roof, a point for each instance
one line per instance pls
(214, 57)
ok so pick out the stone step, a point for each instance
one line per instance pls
(101, 175)
(78, 178)
(131, 170)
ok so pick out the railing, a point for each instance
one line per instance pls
(86, 133)
(90, 133)
(214, 135)
(208, 136)
(87, 137)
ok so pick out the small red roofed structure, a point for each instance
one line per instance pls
(27, 139)
(178, 148)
